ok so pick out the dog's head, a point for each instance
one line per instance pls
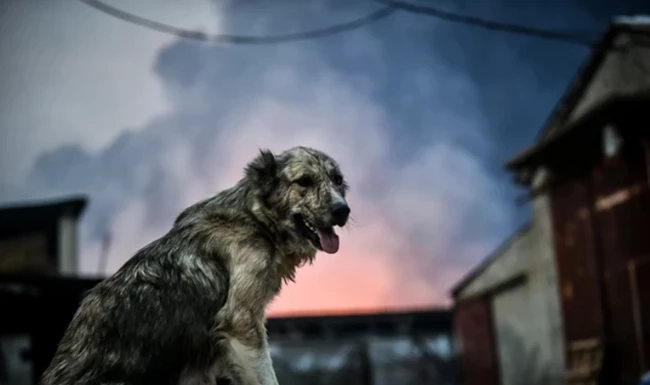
(303, 191)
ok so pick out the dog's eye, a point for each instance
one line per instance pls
(304, 181)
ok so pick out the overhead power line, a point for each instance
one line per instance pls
(240, 39)
(557, 35)
(389, 8)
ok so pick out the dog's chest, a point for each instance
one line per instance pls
(256, 285)
(272, 288)
(273, 282)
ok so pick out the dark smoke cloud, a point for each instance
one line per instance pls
(420, 113)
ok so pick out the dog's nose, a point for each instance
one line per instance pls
(340, 212)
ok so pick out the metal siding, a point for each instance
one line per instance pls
(642, 275)
(624, 223)
(621, 347)
(473, 323)
(601, 221)
(624, 242)
(642, 270)
(577, 272)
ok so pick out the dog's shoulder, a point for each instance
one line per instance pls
(174, 271)
(182, 256)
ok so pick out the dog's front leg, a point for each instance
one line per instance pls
(265, 370)
(249, 355)
(253, 360)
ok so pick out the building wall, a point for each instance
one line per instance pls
(518, 353)
(620, 229)
(477, 342)
(601, 219)
(527, 317)
(546, 296)
(25, 253)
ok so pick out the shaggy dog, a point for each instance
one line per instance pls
(189, 307)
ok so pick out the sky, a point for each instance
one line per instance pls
(420, 113)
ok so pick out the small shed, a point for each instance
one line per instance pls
(560, 302)
(38, 290)
(40, 237)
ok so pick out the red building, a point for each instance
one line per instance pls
(590, 166)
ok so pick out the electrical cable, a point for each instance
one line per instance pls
(390, 7)
(240, 39)
(565, 36)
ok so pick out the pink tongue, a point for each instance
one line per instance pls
(329, 241)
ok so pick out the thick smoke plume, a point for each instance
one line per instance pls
(419, 113)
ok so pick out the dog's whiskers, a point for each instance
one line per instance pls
(352, 222)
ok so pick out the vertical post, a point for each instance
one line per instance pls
(67, 245)
(636, 313)
(593, 234)
(646, 152)
(103, 256)
(600, 270)
(366, 362)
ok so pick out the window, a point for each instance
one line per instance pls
(25, 253)
(612, 141)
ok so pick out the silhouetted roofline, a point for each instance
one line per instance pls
(436, 312)
(583, 78)
(40, 210)
(491, 258)
(321, 327)
(610, 108)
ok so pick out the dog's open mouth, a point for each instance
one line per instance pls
(324, 239)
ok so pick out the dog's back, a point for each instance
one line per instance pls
(150, 321)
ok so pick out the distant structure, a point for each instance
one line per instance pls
(38, 289)
(410, 348)
(562, 301)
(40, 238)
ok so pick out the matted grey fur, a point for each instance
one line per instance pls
(189, 308)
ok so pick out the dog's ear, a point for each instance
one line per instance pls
(263, 172)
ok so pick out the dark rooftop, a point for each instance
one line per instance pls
(433, 321)
(586, 73)
(616, 108)
(43, 210)
(554, 125)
